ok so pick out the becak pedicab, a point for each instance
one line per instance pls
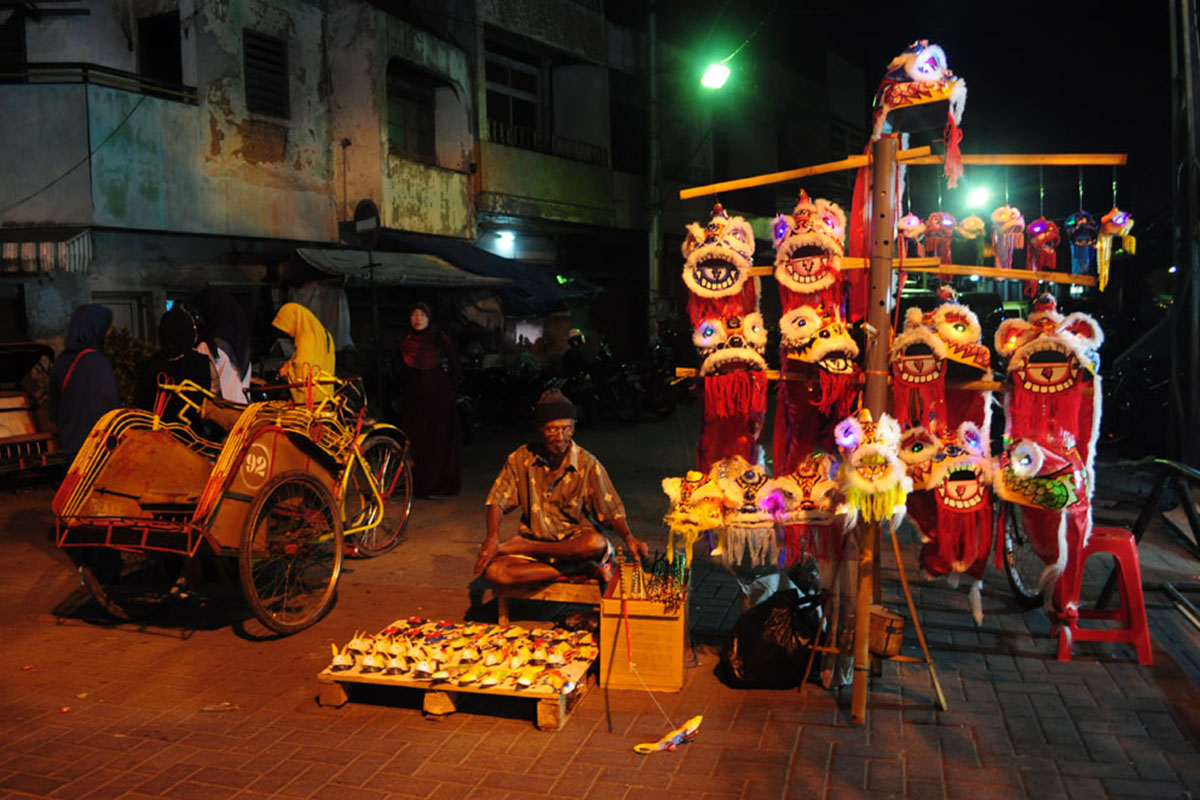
(277, 484)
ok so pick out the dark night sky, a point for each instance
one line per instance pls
(1047, 77)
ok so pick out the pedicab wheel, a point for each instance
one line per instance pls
(100, 593)
(1022, 566)
(291, 552)
(392, 472)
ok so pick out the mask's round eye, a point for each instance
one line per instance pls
(707, 331)
(960, 327)
(917, 447)
(739, 234)
(781, 230)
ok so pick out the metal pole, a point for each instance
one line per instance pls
(1191, 234)
(883, 228)
(655, 178)
(375, 336)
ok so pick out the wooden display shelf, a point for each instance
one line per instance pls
(553, 707)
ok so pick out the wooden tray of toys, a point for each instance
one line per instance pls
(444, 659)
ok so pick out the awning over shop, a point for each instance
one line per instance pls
(33, 250)
(397, 269)
(533, 290)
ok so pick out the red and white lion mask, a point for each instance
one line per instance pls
(809, 245)
(718, 257)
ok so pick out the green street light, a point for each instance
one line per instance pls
(715, 76)
(978, 197)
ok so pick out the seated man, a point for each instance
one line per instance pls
(565, 495)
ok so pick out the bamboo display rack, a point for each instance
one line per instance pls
(884, 157)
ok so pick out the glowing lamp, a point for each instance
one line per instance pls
(978, 197)
(505, 236)
(715, 76)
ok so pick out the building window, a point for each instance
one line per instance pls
(266, 65)
(411, 112)
(159, 52)
(12, 44)
(513, 88)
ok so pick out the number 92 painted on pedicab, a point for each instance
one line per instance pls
(277, 484)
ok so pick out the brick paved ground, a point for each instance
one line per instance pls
(105, 711)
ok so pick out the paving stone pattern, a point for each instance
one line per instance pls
(94, 709)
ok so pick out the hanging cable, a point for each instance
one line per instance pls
(1080, 187)
(1114, 185)
(1006, 186)
(1041, 191)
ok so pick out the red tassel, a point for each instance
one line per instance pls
(735, 395)
(953, 137)
(837, 391)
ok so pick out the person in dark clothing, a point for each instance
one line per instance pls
(175, 362)
(82, 385)
(225, 334)
(429, 372)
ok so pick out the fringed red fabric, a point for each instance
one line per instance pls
(799, 428)
(724, 438)
(837, 392)
(919, 404)
(1047, 417)
(822, 542)
(962, 542)
(740, 304)
(953, 168)
(831, 297)
(735, 394)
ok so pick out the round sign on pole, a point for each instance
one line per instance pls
(366, 223)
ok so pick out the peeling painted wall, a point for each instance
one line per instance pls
(529, 184)
(428, 199)
(563, 24)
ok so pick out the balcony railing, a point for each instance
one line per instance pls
(530, 139)
(78, 72)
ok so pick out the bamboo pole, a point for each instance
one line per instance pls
(934, 265)
(850, 162)
(883, 228)
(916, 155)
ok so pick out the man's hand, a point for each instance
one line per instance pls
(636, 547)
(487, 554)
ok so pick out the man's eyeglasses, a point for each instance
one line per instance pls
(558, 430)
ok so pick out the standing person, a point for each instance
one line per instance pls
(429, 372)
(177, 360)
(225, 339)
(313, 355)
(82, 385)
(565, 497)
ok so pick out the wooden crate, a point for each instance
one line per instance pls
(657, 634)
(553, 708)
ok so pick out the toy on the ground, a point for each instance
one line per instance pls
(681, 735)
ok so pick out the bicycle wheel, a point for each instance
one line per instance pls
(392, 472)
(291, 552)
(1022, 566)
(128, 585)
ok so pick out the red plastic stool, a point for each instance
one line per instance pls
(1121, 545)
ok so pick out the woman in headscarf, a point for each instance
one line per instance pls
(314, 354)
(176, 361)
(429, 372)
(82, 385)
(225, 339)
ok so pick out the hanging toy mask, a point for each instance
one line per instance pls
(969, 239)
(729, 335)
(749, 524)
(805, 502)
(717, 257)
(697, 504)
(1008, 234)
(1115, 223)
(872, 475)
(917, 448)
(817, 335)
(1081, 229)
(912, 235)
(915, 79)
(939, 235)
(1041, 253)
(808, 250)
(918, 361)
(1052, 422)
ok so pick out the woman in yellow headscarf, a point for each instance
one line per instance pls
(313, 354)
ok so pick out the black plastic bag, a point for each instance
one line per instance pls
(770, 645)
